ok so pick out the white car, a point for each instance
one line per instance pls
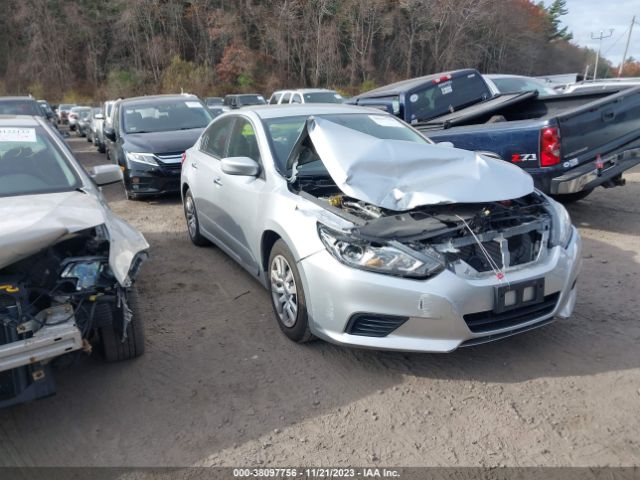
(368, 234)
(67, 263)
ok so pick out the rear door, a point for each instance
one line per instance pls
(601, 126)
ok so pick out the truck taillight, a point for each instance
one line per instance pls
(549, 147)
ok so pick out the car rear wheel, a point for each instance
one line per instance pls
(287, 294)
(114, 349)
(193, 225)
(572, 197)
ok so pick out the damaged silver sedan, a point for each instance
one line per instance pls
(368, 234)
(67, 263)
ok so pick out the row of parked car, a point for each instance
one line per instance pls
(419, 217)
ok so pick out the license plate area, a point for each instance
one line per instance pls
(517, 295)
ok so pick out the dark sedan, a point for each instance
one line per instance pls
(149, 135)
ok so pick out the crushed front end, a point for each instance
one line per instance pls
(53, 303)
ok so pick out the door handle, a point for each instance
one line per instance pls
(217, 181)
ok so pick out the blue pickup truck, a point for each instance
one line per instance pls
(569, 143)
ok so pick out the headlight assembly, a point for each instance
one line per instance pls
(85, 270)
(380, 258)
(561, 228)
(146, 158)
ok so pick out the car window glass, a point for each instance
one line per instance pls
(243, 141)
(296, 98)
(214, 140)
(274, 98)
(31, 164)
(286, 97)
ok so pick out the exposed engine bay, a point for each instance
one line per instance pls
(472, 238)
(57, 301)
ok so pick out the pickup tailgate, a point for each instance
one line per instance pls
(601, 126)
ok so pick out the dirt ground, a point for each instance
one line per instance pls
(220, 385)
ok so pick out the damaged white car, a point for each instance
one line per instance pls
(67, 263)
(368, 234)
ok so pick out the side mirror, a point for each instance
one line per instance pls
(98, 116)
(445, 144)
(243, 166)
(110, 133)
(106, 174)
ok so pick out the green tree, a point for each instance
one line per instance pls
(554, 11)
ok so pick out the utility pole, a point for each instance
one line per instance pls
(626, 47)
(600, 38)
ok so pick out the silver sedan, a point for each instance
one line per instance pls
(368, 234)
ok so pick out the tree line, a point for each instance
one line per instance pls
(97, 49)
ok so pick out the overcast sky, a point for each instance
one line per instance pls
(591, 16)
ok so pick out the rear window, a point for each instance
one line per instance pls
(20, 107)
(444, 97)
(164, 116)
(323, 97)
(30, 163)
(251, 100)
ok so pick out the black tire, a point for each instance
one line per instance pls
(112, 346)
(193, 224)
(572, 197)
(299, 331)
(101, 148)
(89, 139)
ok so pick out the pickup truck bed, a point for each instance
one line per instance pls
(569, 143)
(598, 135)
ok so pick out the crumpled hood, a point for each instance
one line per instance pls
(31, 223)
(401, 175)
(162, 142)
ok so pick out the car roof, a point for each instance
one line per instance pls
(20, 120)
(410, 84)
(293, 110)
(305, 90)
(18, 97)
(153, 98)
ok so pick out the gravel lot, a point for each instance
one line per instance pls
(220, 385)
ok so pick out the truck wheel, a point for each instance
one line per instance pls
(101, 148)
(113, 348)
(287, 294)
(572, 197)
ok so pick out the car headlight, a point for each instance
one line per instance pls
(146, 158)
(379, 258)
(561, 228)
(85, 271)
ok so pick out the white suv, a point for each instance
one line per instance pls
(305, 95)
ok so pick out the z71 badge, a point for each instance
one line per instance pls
(524, 157)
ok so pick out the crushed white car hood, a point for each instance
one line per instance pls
(401, 175)
(31, 223)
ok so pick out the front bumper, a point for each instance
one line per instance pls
(435, 307)
(154, 180)
(48, 342)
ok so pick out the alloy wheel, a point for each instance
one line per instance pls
(284, 291)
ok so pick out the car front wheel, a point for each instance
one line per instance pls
(287, 294)
(114, 348)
